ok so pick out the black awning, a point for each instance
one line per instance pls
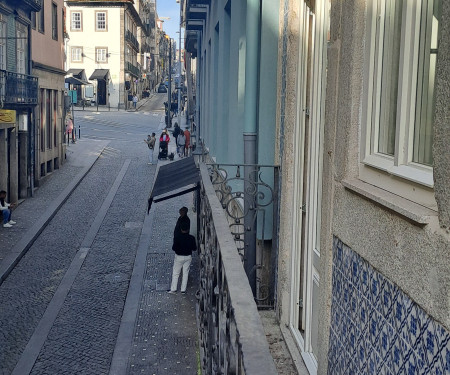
(174, 179)
(76, 81)
(79, 74)
(100, 74)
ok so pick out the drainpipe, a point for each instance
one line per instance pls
(197, 88)
(250, 136)
(31, 121)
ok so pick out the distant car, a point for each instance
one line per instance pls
(162, 88)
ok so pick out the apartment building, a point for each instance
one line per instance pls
(358, 126)
(47, 53)
(109, 42)
(18, 97)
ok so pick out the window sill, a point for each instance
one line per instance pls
(412, 172)
(414, 212)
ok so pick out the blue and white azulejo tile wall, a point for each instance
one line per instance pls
(378, 329)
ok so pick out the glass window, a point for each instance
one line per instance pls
(21, 44)
(101, 55)
(54, 21)
(75, 23)
(100, 24)
(428, 47)
(401, 59)
(77, 54)
(41, 20)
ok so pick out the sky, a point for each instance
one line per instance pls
(169, 8)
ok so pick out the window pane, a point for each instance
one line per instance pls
(21, 46)
(423, 126)
(101, 21)
(390, 27)
(41, 20)
(54, 22)
(76, 21)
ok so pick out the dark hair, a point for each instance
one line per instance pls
(184, 209)
(153, 134)
(2, 192)
(184, 226)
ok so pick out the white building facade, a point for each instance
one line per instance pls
(103, 40)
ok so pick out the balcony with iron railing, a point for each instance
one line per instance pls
(35, 5)
(134, 70)
(145, 47)
(130, 38)
(231, 334)
(18, 89)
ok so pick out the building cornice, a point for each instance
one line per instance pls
(48, 68)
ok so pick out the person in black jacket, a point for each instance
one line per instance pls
(183, 245)
(183, 218)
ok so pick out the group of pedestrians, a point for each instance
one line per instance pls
(183, 139)
(183, 243)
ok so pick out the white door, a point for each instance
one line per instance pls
(305, 279)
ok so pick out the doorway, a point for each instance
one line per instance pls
(101, 91)
(305, 281)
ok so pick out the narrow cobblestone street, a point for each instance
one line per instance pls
(62, 305)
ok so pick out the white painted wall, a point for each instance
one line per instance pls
(89, 39)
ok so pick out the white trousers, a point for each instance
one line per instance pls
(150, 155)
(180, 262)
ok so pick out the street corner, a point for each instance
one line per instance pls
(84, 152)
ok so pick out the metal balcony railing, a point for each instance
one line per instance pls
(231, 335)
(129, 37)
(34, 4)
(18, 88)
(249, 197)
(132, 69)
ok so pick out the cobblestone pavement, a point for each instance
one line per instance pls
(165, 336)
(61, 307)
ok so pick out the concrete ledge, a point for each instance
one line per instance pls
(414, 212)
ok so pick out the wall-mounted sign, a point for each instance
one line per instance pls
(7, 116)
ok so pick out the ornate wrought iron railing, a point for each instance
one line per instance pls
(132, 69)
(232, 339)
(250, 192)
(18, 88)
(132, 40)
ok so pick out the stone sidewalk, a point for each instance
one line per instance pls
(158, 333)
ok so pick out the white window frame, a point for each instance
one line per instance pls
(74, 22)
(22, 47)
(97, 21)
(395, 173)
(72, 54)
(99, 53)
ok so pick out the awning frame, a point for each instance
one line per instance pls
(175, 179)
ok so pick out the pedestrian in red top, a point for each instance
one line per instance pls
(187, 145)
